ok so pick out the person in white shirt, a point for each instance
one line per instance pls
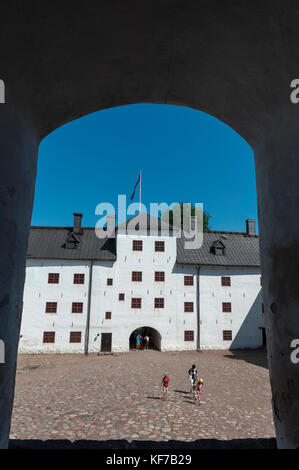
(192, 375)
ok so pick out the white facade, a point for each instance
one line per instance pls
(171, 322)
(246, 318)
(37, 292)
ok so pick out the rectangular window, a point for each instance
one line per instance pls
(77, 307)
(79, 278)
(75, 337)
(188, 307)
(189, 335)
(49, 337)
(227, 335)
(263, 308)
(226, 307)
(136, 303)
(159, 276)
(109, 281)
(159, 246)
(137, 276)
(225, 281)
(53, 278)
(108, 316)
(137, 245)
(51, 307)
(121, 296)
(159, 302)
(188, 280)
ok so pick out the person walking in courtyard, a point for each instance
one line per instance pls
(138, 342)
(146, 341)
(194, 389)
(192, 375)
(164, 383)
(199, 390)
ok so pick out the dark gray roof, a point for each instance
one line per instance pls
(49, 243)
(240, 250)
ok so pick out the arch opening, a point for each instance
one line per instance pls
(155, 339)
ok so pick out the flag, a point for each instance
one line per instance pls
(138, 181)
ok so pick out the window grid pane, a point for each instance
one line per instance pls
(188, 280)
(75, 337)
(159, 276)
(49, 337)
(137, 245)
(159, 302)
(227, 335)
(137, 276)
(108, 316)
(188, 306)
(226, 307)
(53, 278)
(225, 281)
(79, 278)
(136, 303)
(159, 246)
(77, 307)
(189, 335)
(51, 307)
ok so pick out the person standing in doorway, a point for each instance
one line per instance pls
(146, 341)
(138, 342)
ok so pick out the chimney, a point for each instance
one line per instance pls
(77, 223)
(250, 227)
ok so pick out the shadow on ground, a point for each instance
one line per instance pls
(258, 357)
(122, 444)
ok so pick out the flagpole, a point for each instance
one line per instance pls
(140, 194)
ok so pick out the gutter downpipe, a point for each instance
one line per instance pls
(86, 346)
(198, 309)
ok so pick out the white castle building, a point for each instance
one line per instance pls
(85, 294)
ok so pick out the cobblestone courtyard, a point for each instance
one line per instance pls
(119, 397)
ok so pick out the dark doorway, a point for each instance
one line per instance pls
(154, 335)
(106, 341)
(264, 338)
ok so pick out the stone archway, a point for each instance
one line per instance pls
(155, 337)
(233, 60)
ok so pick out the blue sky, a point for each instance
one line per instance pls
(184, 154)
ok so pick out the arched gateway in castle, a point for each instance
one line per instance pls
(234, 60)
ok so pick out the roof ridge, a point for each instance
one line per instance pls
(93, 228)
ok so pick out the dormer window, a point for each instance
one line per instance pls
(71, 244)
(218, 248)
(72, 241)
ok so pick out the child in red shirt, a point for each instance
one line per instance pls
(164, 383)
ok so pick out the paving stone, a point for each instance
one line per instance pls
(120, 397)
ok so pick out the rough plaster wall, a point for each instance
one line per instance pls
(170, 321)
(18, 151)
(37, 292)
(246, 316)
